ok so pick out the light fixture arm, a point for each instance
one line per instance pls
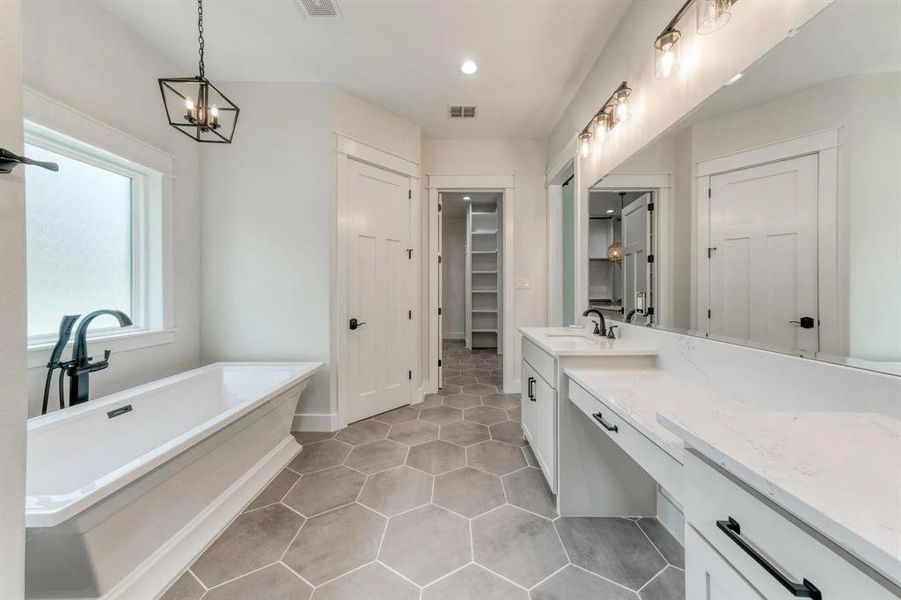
(671, 26)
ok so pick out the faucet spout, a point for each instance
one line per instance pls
(600, 327)
(80, 367)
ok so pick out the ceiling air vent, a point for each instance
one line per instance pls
(319, 8)
(461, 112)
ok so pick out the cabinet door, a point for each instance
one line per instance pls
(708, 576)
(528, 403)
(545, 447)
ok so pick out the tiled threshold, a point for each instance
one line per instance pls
(441, 501)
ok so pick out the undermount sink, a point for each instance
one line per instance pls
(568, 336)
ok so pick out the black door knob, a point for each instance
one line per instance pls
(354, 324)
(804, 322)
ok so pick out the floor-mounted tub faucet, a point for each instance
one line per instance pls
(81, 365)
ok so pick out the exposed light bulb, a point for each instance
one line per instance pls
(623, 113)
(469, 67)
(189, 104)
(189, 110)
(667, 60)
(667, 53)
(585, 144)
(712, 15)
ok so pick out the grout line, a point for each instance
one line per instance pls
(653, 545)
(604, 578)
(399, 574)
(549, 576)
(298, 575)
(656, 575)
(560, 539)
(266, 566)
(194, 575)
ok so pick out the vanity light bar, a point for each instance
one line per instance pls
(614, 111)
(712, 15)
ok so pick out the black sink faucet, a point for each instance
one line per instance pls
(81, 366)
(600, 327)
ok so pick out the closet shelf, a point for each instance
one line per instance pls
(484, 251)
(484, 330)
(485, 310)
(485, 232)
(494, 291)
(484, 272)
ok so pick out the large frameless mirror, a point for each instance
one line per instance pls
(771, 215)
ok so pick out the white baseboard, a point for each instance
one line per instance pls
(152, 578)
(454, 336)
(315, 422)
(513, 387)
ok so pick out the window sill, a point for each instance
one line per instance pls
(39, 353)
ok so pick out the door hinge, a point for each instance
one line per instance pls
(410, 375)
(710, 252)
(650, 258)
(708, 313)
(439, 310)
(709, 192)
(410, 194)
(650, 311)
(439, 208)
(439, 259)
(410, 314)
(439, 362)
(650, 207)
(409, 252)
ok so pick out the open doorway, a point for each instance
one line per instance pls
(621, 227)
(471, 278)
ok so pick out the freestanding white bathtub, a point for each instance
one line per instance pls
(123, 491)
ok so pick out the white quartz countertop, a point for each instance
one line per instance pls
(638, 395)
(840, 472)
(565, 341)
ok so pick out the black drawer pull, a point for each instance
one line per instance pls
(805, 589)
(600, 419)
(530, 392)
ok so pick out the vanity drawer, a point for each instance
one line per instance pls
(768, 548)
(658, 463)
(543, 363)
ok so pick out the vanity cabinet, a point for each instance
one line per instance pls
(740, 545)
(538, 407)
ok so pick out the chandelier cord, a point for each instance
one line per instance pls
(200, 34)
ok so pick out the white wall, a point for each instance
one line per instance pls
(268, 218)
(525, 159)
(78, 54)
(453, 264)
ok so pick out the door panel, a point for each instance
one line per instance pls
(708, 576)
(379, 352)
(763, 257)
(545, 448)
(528, 407)
(636, 275)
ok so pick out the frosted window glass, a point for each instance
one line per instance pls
(79, 241)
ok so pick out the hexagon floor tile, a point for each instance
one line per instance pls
(426, 543)
(495, 457)
(517, 545)
(612, 547)
(377, 456)
(324, 490)
(397, 506)
(468, 492)
(436, 457)
(465, 433)
(397, 490)
(335, 542)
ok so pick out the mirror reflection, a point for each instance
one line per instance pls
(771, 216)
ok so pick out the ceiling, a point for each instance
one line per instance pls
(602, 202)
(453, 206)
(846, 38)
(401, 55)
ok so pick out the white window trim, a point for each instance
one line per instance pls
(57, 127)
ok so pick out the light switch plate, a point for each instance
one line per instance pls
(523, 284)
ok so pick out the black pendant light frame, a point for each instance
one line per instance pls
(200, 123)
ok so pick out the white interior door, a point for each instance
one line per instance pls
(636, 272)
(763, 255)
(440, 293)
(379, 270)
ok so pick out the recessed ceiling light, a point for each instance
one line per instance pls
(467, 198)
(735, 78)
(610, 211)
(469, 67)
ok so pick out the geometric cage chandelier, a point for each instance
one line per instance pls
(196, 107)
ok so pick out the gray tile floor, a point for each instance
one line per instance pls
(437, 502)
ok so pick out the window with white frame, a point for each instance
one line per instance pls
(90, 242)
